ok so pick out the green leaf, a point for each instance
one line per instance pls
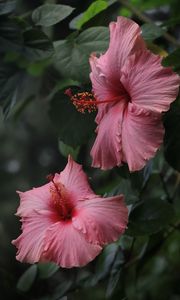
(37, 46)
(50, 14)
(151, 246)
(172, 137)
(66, 150)
(102, 18)
(16, 85)
(10, 77)
(72, 55)
(149, 192)
(172, 59)
(149, 217)
(151, 31)
(7, 7)
(66, 281)
(137, 179)
(46, 270)
(72, 127)
(115, 274)
(26, 280)
(10, 36)
(95, 8)
(104, 263)
(124, 187)
(30, 44)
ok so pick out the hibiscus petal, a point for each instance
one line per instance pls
(142, 135)
(68, 247)
(149, 84)
(125, 38)
(31, 242)
(75, 181)
(34, 199)
(107, 151)
(104, 88)
(101, 220)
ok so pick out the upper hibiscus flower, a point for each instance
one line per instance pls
(65, 222)
(134, 90)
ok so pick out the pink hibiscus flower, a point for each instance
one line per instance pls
(132, 90)
(65, 222)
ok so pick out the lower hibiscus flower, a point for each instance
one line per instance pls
(65, 222)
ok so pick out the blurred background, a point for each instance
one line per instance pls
(36, 135)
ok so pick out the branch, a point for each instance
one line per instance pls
(146, 19)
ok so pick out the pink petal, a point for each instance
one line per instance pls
(142, 135)
(101, 220)
(107, 150)
(35, 199)
(125, 38)
(68, 247)
(148, 83)
(75, 181)
(31, 242)
(104, 88)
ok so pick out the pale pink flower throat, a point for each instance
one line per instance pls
(87, 101)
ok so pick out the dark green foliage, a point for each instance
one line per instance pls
(44, 49)
(172, 137)
(151, 31)
(21, 45)
(46, 270)
(149, 217)
(50, 14)
(26, 280)
(115, 273)
(72, 54)
(72, 128)
(173, 60)
(6, 7)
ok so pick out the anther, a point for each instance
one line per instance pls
(84, 101)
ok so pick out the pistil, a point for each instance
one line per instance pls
(86, 101)
(60, 199)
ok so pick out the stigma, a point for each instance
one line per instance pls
(60, 199)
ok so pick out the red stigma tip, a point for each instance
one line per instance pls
(50, 177)
(68, 92)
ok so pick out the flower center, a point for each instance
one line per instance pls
(60, 199)
(86, 101)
